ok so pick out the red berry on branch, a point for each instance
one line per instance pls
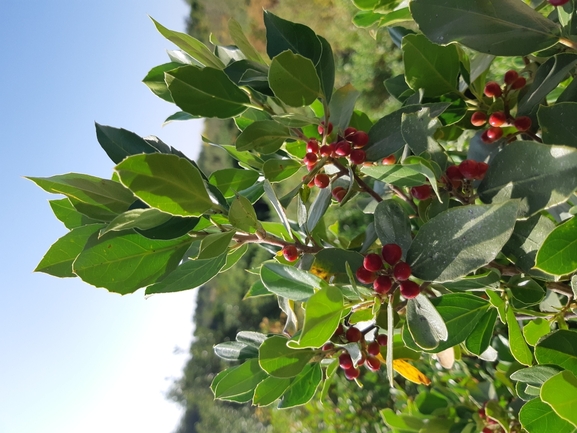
(290, 253)
(494, 133)
(313, 146)
(339, 331)
(343, 148)
(328, 346)
(410, 289)
(479, 118)
(322, 180)
(382, 339)
(485, 138)
(352, 373)
(558, 2)
(510, 76)
(492, 90)
(498, 118)
(522, 123)
(468, 169)
(519, 83)
(336, 191)
(310, 158)
(453, 173)
(359, 138)
(482, 168)
(358, 156)
(391, 253)
(345, 361)
(373, 348)
(321, 128)
(373, 363)
(382, 284)
(364, 276)
(389, 160)
(373, 262)
(354, 334)
(327, 150)
(402, 271)
(422, 192)
(349, 131)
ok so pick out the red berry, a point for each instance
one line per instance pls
(492, 89)
(494, 133)
(389, 160)
(311, 184)
(345, 361)
(382, 339)
(353, 334)
(382, 284)
(558, 2)
(349, 131)
(373, 363)
(391, 253)
(409, 289)
(402, 271)
(453, 173)
(468, 169)
(522, 123)
(328, 346)
(373, 348)
(327, 150)
(510, 76)
(310, 158)
(313, 146)
(422, 192)
(340, 195)
(373, 262)
(322, 180)
(321, 128)
(343, 148)
(364, 276)
(482, 168)
(519, 83)
(359, 138)
(498, 118)
(485, 138)
(336, 190)
(479, 118)
(339, 331)
(290, 253)
(358, 156)
(352, 373)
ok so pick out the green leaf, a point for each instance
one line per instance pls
(235, 351)
(499, 303)
(556, 131)
(155, 80)
(251, 74)
(330, 264)
(480, 338)
(526, 291)
(432, 68)
(501, 28)
(496, 412)
(206, 92)
(264, 136)
(242, 215)
(323, 312)
(365, 19)
(241, 41)
(539, 417)
(279, 360)
(513, 174)
(558, 254)
(326, 69)
(392, 225)
(119, 143)
(289, 282)
(519, 348)
(318, 209)
(232, 180)
(418, 130)
(269, 390)
(277, 170)
(536, 375)
(401, 175)
(558, 348)
(59, 258)
(190, 45)
(560, 392)
(293, 79)
(215, 244)
(68, 215)
(489, 279)
(99, 199)
(303, 387)
(404, 423)
(425, 323)
(535, 329)
(174, 228)
(239, 380)
(124, 262)
(342, 106)
(166, 182)
(143, 219)
(461, 240)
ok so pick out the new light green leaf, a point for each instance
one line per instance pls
(239, 380)
(293, 79)
(232, 180)
(535, 329)
(519, 348)
(539, 417)
(289, 282)
(303, 387)
(166, 182)
(279, 360)
(68, 215)
(241, 41)
(269, 390)
(560, 392)
(242, 215)
(558, 254)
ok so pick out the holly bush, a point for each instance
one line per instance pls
(459, 293)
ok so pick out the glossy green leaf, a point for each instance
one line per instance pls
(277, 170)
(366, 18)
(461, 240)
(68, 215)
(206, 92)
(289, 282)
(303, 387)
(400, 174)
(502, 28)
(558, 348)
(330, 264)
(242, 215)
(326, 69)
(535, 329)
(232, 180)
(179, 116)
(539, 417)
(558, 254)
(425, 323)
(526, 291)
(404, 423)
(174, 228)
(555, 130)
(251, 74)
(215, 244)
(499, 303)
(519, 348)
(418, 130)
(279, 360)
(239, 380)
(59, 258)
(480, 338)
(99, 199)
(265, 136)
(166, 182)
(235, 351)
(342, 106)
(536, 375)
(318, 208)
(489, 280)
(196, 49)
(430, 67)
(118, 143)
(392, 225)
(241, 41)
(269, 390)
(513, 174)
(293, 79)
(274, 201)
(560, 392)
(155, 80)
(137, 218)
(124, 262)
(323, 312)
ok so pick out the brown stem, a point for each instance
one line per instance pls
(359, 181)
(560, 288)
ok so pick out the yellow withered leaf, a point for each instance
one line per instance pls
(408, 371)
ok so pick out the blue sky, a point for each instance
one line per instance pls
(75, 358)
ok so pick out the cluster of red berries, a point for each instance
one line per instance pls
(497, 119)
(348, 146)
(386, 271)
(369, 351)
(468, 169)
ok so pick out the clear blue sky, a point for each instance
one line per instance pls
(76, 359)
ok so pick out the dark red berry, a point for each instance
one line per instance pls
(345, 361)
(485, 138)
(327, 150)
(349, 131)
(337, 191)
(409, 289)
(494, 133)
(313, 146)
(343, 148)
(364, 276)
(422, 192)
(373, 363)
(479, 118)
(382, 284)
(352, 373)
(373, 262)
(373, 348)
(391, 253)
(322, 180)
(519, 83)
(359, 138)
(362, 360)
(340, 195)
(510, 76)
(468, 169)
(382, 339)
(498, 118)
(358, 156)
(482, 168)
(558, 2)
(522, 123)
(328, 346)
(453, 173)
(290, 253)
(339, 331)
(321, 128)
(353, 334)
(389, 160)
(402, 271)
(492, 90)
(310, 158)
